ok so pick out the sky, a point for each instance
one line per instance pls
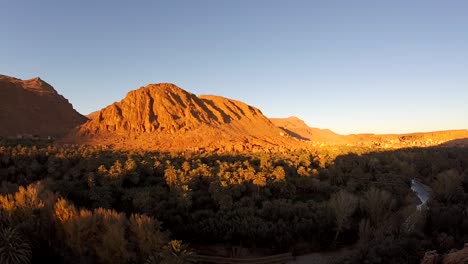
(350, 66)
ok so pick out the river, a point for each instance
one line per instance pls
(422, 191)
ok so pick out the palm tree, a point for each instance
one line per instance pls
(343, 204)
(177, 253)
(13, 249)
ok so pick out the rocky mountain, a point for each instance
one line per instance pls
(166, 117)
(32, 108)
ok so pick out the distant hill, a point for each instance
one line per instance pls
(297, 128)
(420, 139)
(92, 114)
(166, 117)
(33, 108)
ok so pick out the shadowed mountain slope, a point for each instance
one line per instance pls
(33, 107)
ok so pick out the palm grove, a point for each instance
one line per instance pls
(97, 205)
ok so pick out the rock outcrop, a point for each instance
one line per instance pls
(32, 108)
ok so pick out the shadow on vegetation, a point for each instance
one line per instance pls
(93, 204)
(461, 143)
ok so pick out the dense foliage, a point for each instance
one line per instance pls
(96, 205)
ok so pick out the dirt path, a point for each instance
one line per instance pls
(321, 257)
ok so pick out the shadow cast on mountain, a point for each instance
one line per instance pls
(294, 135)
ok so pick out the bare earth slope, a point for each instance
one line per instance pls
(33, 107)
(165, 117)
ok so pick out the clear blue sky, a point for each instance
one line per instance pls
(351, 66)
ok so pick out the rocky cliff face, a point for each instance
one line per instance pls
(33, 108)
(155, 108)
(166, 117)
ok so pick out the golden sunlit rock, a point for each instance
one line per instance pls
(166, 117)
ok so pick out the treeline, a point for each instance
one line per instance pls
(96, 205)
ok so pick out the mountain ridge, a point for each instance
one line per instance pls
(165, 117)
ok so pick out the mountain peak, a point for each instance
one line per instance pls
(290, 122)
(160, 87)
(294, 118)
(35, 84)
